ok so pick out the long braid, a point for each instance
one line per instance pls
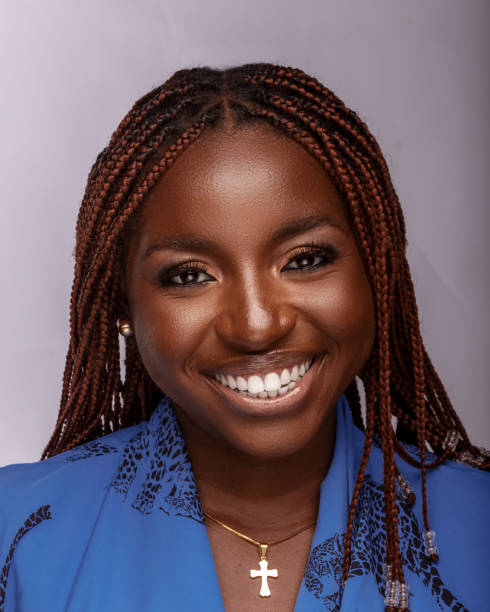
(399, 379)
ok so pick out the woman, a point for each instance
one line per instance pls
(242, 234)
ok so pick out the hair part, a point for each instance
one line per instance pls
(398, 379)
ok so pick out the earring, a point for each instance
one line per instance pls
(125, 328)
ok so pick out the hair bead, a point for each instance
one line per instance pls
(404, 593)
(396, 596)
(430, 545)
(405, 489)
(451, 440)
(392, 594)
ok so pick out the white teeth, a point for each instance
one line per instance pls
(241, 383)
(272, 382)
(255, 384)
(269, 386)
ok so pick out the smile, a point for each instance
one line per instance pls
(270, 385)
(269, 394)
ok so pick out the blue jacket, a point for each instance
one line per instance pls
(116, 525)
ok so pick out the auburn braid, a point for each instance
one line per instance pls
(398, 379)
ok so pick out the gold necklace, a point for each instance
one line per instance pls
(264, 573)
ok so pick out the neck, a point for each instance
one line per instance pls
(262, 498)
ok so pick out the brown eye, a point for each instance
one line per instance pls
(187, 277)
(310, 259)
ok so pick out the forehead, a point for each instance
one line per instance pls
(252, 176)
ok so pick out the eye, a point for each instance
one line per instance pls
(312, 257)
(188, 276)
(308, 260)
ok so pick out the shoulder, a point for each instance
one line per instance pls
(455, 475)
(458, 495)
(53, 505)
(458, 501)
(52, 510)
(458, 478)
(79, 479)
(67, 477)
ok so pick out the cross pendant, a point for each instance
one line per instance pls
(264, 573)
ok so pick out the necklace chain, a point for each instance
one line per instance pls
(251, 540)
(264, 573)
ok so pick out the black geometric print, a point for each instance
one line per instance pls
(41, 514)
(323, 577)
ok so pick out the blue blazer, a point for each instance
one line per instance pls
(116, 525)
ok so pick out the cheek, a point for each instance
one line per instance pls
(344, 310)
(168, 331)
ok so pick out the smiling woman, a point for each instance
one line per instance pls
(242, 233)
(244, 298)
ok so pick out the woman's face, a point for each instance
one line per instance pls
(244, 268)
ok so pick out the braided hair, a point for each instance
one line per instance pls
(398, 379)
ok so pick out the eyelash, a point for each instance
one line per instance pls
(326, 251)
(318, 249)
(166, 277)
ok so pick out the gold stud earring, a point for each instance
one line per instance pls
(125, 328)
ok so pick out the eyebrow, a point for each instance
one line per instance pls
(190, 242)
(299, 226)
(180, 242)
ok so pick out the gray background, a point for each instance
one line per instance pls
(416, 71)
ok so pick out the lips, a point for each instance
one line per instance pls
(286, 402)
(261, 364)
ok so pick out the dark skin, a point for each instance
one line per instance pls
(251, 302)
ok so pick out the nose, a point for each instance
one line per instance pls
(254, 316)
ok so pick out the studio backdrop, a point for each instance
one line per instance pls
(417, 72)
